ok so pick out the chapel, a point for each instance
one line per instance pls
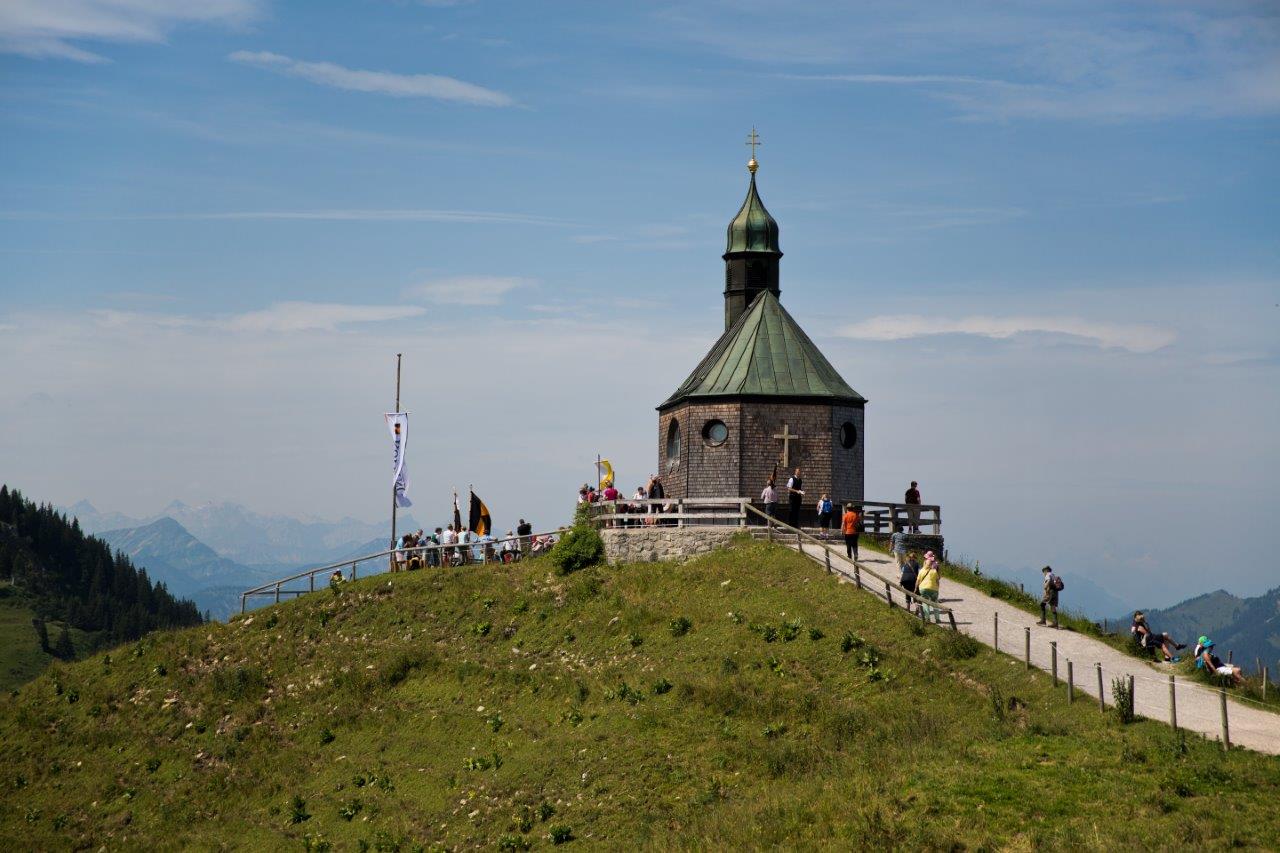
(764, 400)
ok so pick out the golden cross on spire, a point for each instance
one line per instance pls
(753, 140)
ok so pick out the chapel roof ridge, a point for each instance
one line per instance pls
(765, 354)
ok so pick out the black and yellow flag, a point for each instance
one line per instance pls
(480, 521)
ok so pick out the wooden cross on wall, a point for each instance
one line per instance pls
(787, 437)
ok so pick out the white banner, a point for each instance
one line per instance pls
(398, 424)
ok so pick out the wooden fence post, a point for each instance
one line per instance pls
(1104, 627)
(888, 594)
(1102, 697)
(857, 575)
(312, 578)
(1028, 646)
(353, 570)
(951, 616)
(1053, 651)
(799, 543)
(1230, 654)
(1226, 732)
(1131, 702)
(768, 525)
(995, 630)
(1071, 683)
(826, 555)
(243, 603)
(1173, 704)
(1264, 684)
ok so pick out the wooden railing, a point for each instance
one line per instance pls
(781, 531)
(673, 512)
(876, 516)
(397, 557)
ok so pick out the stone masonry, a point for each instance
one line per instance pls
(654, 544)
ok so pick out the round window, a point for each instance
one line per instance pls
(848, 435)
(715, 433)
(673, 444)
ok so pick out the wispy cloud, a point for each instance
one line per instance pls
(46, 29)
(381, 82)
(330, 215)
(467, 289)
(911, 80)
(1047, 60)
(1133, 337)
(280, 318)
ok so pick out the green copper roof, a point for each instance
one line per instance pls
(753, 229)
(765, 354)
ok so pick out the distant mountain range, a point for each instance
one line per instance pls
(249, 538)
(1248, 627)
(187, 566)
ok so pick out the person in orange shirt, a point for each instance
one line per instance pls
(849, 525)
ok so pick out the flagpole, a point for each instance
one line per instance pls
(395, 480)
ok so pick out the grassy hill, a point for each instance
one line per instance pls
(741, 700)
(21, 658)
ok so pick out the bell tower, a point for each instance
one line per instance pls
(751, 255)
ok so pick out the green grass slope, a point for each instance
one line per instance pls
(739, 701)
(21, 658)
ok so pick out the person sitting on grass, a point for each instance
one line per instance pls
(1207, 660)
(1149, 640)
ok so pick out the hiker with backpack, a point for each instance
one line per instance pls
(1052, 586)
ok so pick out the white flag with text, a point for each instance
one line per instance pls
(398, 423)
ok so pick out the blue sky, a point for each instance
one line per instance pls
(1042, 239)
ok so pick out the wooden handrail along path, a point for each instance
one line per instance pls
(875, 516)
(489, 550)
(740, 512)
(859, 573)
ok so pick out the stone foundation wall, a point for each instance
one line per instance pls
(654, 544)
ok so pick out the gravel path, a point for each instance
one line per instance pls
(1198, 707)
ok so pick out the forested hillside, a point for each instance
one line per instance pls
(68, 577)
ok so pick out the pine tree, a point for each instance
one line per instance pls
(64, 649)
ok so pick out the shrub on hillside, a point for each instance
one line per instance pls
(580, 547)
